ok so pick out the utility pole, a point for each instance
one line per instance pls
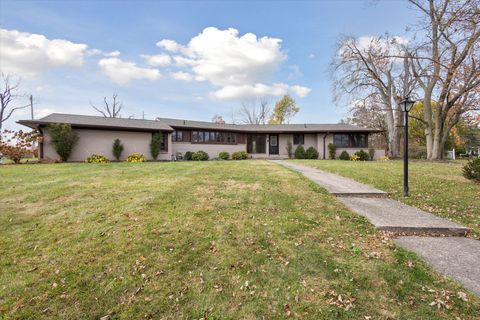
(31, 106)
(143, 115)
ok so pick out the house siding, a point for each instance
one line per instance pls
(101, 141)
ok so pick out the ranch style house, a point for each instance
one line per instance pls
(96, 136)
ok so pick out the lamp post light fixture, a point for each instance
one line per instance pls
(406, 106)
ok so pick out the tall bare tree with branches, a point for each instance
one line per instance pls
(8, 95)
(365, 69)
(446, 65)
(109, 109)
(255, 111)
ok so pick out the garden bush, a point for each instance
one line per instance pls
(344, 155)
(224, 155)
(362, 155)
(471, 170)
(96, 158)
(354, 157)
(332, 150)
(136, 157)
(289, 148)
(200, 156)
(155, 144)
(311, 153)
(371, 153)
(239, 155)
(63, 139)
(188, 155)
(117, 149)
(300, 152)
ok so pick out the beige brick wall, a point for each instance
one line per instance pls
(100, 142)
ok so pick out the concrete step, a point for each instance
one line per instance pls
(393, 216)
(456, 257)
(336, 185)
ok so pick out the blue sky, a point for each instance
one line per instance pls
(104, 47)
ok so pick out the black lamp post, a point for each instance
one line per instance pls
(406, 106)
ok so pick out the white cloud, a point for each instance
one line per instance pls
(311, 56)
(157, 60)
(169, 45)
(121, 72)
(112, 54)
(238, 64)
(301, 91)
(230, 92)
(180, 75)
(27, 54)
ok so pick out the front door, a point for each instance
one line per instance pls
(273, 145)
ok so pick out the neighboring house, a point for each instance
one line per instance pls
(96, 136)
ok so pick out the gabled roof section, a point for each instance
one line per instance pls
(166, 124)
(82, 121)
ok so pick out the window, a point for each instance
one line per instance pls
(164, 143)
(256, 143)
(353, 140)
(177, 136)
(298, 138)
(214, 137)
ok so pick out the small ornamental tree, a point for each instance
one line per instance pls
(300, 152)
(63, 139)
(332, 150)
(155, 144)
(117, 149)
(289, 148)
(15, 145)
(371, 153)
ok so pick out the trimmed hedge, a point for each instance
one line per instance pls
(135, 157)
(239, 155)
(362, 155)
(224, 155)
(200, 156)
(96, 158)
(344, 155)
(332, 150)
(188, 155)
(300, 152)
(311, 153)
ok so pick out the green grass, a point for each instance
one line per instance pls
(209, 240)
(437, 187)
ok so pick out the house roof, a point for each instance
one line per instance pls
(166, 124)
(82, 121)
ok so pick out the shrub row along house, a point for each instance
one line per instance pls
(97, 134)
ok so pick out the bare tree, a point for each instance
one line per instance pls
(8, 94)
(364, 69)
(255, 111)
(218, 119)
(110, 109)
(446, 65)
(369, 113)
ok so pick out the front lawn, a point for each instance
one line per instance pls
(202, 240)
(437, 187)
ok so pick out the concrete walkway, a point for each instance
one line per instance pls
(454, 256)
